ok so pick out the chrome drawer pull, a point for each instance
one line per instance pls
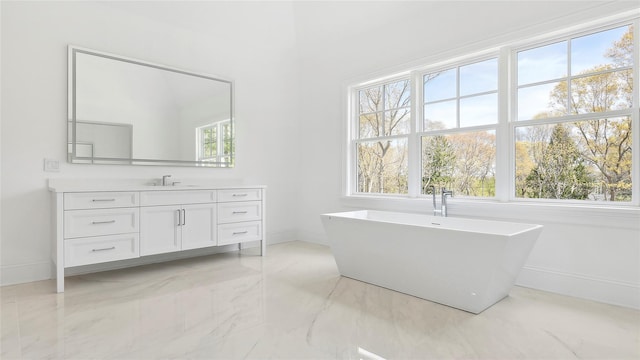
(239, 212)
(240, 195)
(104, 249)
(103, 222)
(240, 232)
(97, 200)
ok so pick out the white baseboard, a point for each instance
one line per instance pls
(315, 237)
(22, 273)
(581, 286)
(277, 237)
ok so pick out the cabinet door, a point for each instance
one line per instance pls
(198, 229)
(160, 229)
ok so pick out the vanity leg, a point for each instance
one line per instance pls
(58, 239)
(60, 280)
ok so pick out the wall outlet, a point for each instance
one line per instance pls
(51, 165)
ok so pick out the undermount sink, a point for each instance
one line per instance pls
(175, 185)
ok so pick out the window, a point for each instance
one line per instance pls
(459, 139)
(214, 142)
(574, 103)
(384, 115)
(563, 126)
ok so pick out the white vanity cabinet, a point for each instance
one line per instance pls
(93, 226)
(167, 225)
(100, 227)
(239, 216)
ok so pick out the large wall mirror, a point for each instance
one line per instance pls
(126, 111)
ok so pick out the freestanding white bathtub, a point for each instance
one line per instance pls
(464, 263)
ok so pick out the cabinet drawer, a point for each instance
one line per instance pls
(239, 195)
(239, 232)
(239, 211)
(100, 200)
(93, 250)
(82, 223)
(153, 198)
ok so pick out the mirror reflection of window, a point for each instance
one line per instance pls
(214, 142)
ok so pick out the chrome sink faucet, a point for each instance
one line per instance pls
(164, 180)
(442, 211)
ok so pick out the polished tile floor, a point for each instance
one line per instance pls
(292, 304)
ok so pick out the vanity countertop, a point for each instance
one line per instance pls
(79, 185)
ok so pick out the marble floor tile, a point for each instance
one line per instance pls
(292, 304)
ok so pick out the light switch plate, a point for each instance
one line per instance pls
(51, 165)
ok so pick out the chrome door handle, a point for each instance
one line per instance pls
(184, 217)
(240, 232)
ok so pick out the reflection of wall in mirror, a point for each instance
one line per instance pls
(103, 140)
(120, 92)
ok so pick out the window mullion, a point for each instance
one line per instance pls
(219, 144)
(635, 116)
(351, 131)
(414, 151)
(458, 97)
(505, 169)
(569, 78)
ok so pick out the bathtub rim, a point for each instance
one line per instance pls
(349, 215)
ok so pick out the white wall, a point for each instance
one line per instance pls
(593, 254)
(251, 43)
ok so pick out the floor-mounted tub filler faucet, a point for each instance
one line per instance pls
(442, 211)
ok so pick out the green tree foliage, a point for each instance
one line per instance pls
(602, 145)
(561, 173)
(462, 162)
(438, 162)
(475, 159)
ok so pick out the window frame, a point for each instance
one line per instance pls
(418, 77)
(633, 112)
(507, 121)
(354, 133)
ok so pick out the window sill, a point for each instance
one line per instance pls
(619, 216)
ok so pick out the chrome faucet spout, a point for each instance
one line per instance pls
(164, 180)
